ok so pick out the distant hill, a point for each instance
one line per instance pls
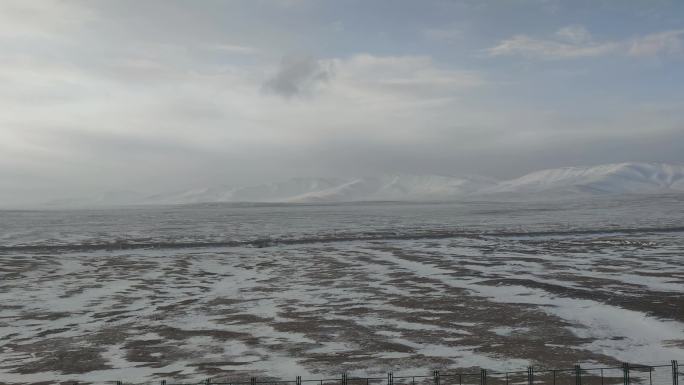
(398, 188)
(617, 178)
(391, 187)
(270, 192)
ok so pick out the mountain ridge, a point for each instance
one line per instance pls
(612, 178)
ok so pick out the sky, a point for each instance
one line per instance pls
(154, 96)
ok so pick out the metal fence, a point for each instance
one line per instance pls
(626, 374)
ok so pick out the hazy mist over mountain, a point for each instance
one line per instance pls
(561, 183)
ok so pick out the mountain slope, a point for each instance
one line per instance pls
(269, 192)
(392, 187)
(617, 178)
(399, 187)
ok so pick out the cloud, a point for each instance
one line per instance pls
(100, 95)
(232, 49)
(668, 42)
(416, 75)
(575, 41)
(575, 34)
(133, 116)
(570, 42)
(45, 19)
(298, 76)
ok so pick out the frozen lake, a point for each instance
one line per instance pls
(233, 291)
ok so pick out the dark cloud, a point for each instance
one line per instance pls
(298, 76)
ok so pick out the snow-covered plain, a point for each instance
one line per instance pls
(230, 292)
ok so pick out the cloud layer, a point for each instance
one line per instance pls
(167, 95)
(575, 41)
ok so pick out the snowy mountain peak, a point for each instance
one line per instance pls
(615, 178)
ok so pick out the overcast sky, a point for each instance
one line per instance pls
(161, 95)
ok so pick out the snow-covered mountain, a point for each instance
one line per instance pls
(394, 187)
(616, 178)
(398, 188)
(270, 192)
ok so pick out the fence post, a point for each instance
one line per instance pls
(344, 378)
(578, 375)
(390, 378)
(436, 376)
(252, 381)
(207, 381)
(298, 380)
(625, 373)
(675, 372)
(530, 375)
(650, 375)
(483, 376)
(163, 382)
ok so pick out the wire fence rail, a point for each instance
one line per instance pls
(626, 374)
